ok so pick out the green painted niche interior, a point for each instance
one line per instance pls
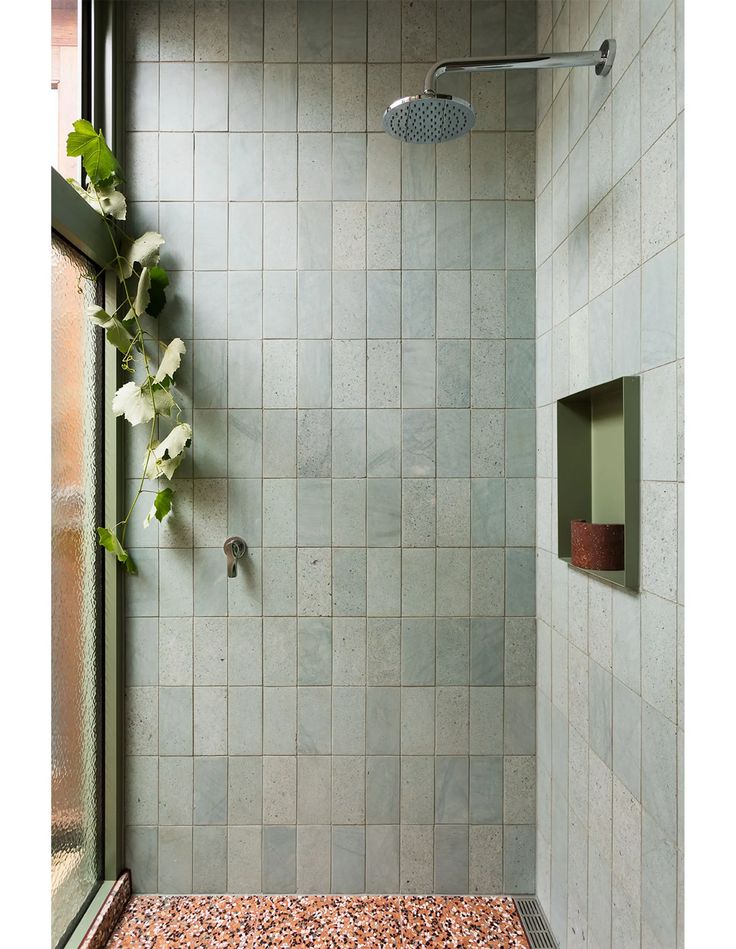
(598, 468)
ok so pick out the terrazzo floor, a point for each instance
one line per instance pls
(320, 922)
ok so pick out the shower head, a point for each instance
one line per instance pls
(428, 118)
(432, 117)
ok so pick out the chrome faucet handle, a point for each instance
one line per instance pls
(235, 548)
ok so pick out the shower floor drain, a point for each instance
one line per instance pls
(535, 923)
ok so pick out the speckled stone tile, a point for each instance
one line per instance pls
(323, 922)
(468, 921)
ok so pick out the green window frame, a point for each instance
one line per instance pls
(73, 219)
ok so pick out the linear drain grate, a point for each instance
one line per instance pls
(535, 923)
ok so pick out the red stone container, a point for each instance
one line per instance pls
(597, 546)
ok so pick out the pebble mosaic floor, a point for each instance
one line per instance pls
(319, 922)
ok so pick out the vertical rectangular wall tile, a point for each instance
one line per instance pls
(279, 860)
(486, 860)
(382, 859)
(416, 858)
(175, 860)
(314, 727)
(175, 720)
(245, 795)
(209, 860)
(314, 789)
(313, 858)
(348, 859)
(279, 789)
(243, 859)
(141, 855)
(451, 858)
(175, 782)
(519, 858)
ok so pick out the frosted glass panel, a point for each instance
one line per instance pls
(76, 852)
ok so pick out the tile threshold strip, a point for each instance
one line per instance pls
(108, 915)
(535, 924)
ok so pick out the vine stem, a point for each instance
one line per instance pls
(139, 335)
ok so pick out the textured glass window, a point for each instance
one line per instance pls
(76, 478)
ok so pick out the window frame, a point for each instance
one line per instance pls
(102, 65)
(97, 364)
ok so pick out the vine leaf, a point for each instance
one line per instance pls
(156, 294)
(117, 334)
(82, 193)
(144, 250)
(131, 402)
(98, 161)
(112, 201)
(109, 541)
(140, 403)
(162, 506)
(171, 360)
(163, 400)
(141, 296)
(105, 199)
(166, 457)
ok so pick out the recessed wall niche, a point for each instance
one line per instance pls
(598, 469)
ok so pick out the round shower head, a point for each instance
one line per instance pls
(428, 118)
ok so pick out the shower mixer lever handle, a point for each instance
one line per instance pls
(235, 548)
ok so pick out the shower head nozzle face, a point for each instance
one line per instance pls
(428, 119)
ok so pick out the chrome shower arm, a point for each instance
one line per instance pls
(601, 58)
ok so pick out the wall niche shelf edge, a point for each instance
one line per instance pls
(598, 438)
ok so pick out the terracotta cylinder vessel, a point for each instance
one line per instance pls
(597, 546)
